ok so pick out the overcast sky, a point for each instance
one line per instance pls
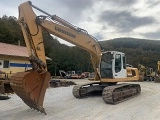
(104, 19)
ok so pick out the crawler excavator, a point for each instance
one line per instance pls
(109, 66)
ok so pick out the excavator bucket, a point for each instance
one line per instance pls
(31, 86)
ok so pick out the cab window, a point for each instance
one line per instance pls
(118, 63)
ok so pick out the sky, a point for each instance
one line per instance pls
(103, 19)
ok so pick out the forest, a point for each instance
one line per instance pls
(143, 51)
(138, 51)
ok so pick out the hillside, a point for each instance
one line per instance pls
(144, 44)
(137, 51)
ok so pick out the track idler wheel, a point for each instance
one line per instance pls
(31, 86)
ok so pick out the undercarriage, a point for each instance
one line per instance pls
(112, 93)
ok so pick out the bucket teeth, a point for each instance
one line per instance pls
(31, 87)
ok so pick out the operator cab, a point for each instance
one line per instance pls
(113, 65)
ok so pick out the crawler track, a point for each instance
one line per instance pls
(80, 91)
(76, 91)
(120, 92)
(111, 94)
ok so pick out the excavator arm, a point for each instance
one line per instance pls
(31, 85)
(31, 26)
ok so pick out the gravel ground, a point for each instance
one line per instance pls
(61, 105)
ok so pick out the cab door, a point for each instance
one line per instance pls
(106, 65)
(119, 65)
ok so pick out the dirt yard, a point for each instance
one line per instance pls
(61, 105)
